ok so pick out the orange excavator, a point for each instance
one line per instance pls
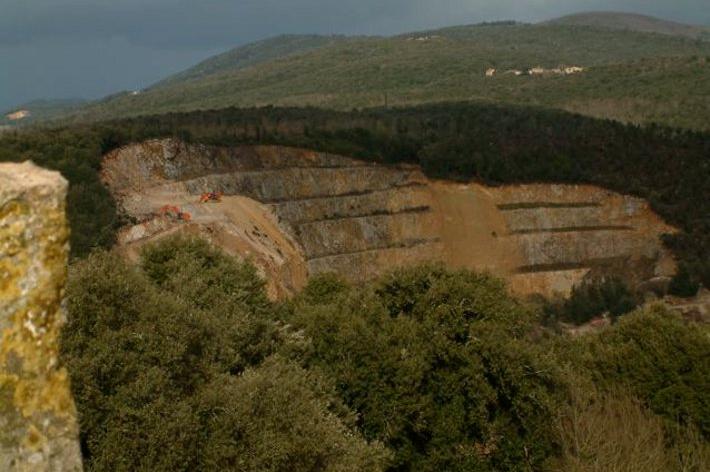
(215, 197)
(174, 212)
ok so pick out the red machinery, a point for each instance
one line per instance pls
(215, 197)
(175, 213)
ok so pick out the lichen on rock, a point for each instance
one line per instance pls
(38, 426)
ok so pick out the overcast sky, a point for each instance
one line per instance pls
(91, 48)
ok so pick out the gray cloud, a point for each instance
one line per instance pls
(88, 48)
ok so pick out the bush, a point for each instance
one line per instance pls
(614, 431)
(231, 292)
(171, 369)
(592, 298)
(279, 417)
(324, 288)
(662, 360)
(181, 363)
(440, 368)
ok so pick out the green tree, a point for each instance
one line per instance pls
(440, 368)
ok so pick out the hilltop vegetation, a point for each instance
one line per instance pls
(634, 22)
(631, 76)
(182, 364)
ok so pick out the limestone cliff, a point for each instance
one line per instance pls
(297, 212)
(38, 428)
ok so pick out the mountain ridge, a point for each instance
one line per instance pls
(630, 76)
(281, 46)
(633, 22)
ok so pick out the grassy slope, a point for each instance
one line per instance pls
(638, 77)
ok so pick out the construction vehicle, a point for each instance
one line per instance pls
(215, 197)
(174, 212)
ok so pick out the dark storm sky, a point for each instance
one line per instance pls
(90, 48)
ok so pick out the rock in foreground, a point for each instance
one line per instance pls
(38, 427)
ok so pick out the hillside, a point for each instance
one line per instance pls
(625, 71)
(633, 22)
(249, 55)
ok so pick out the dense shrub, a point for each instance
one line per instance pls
(613, 431)
(232, 293)
(279, 417)
(181, 363)
(661, 359)
(592, 298)
(439, 366)
(171, 369)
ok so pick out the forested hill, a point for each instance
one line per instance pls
(628, 76)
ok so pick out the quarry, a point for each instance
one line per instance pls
(296, 213)
(18, 115)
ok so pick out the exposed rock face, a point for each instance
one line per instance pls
(18, 115)
(38, 428)
(297, 212)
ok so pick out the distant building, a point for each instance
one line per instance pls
(423, 38)
(538, 70)
(562, 70)
(18, 115)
